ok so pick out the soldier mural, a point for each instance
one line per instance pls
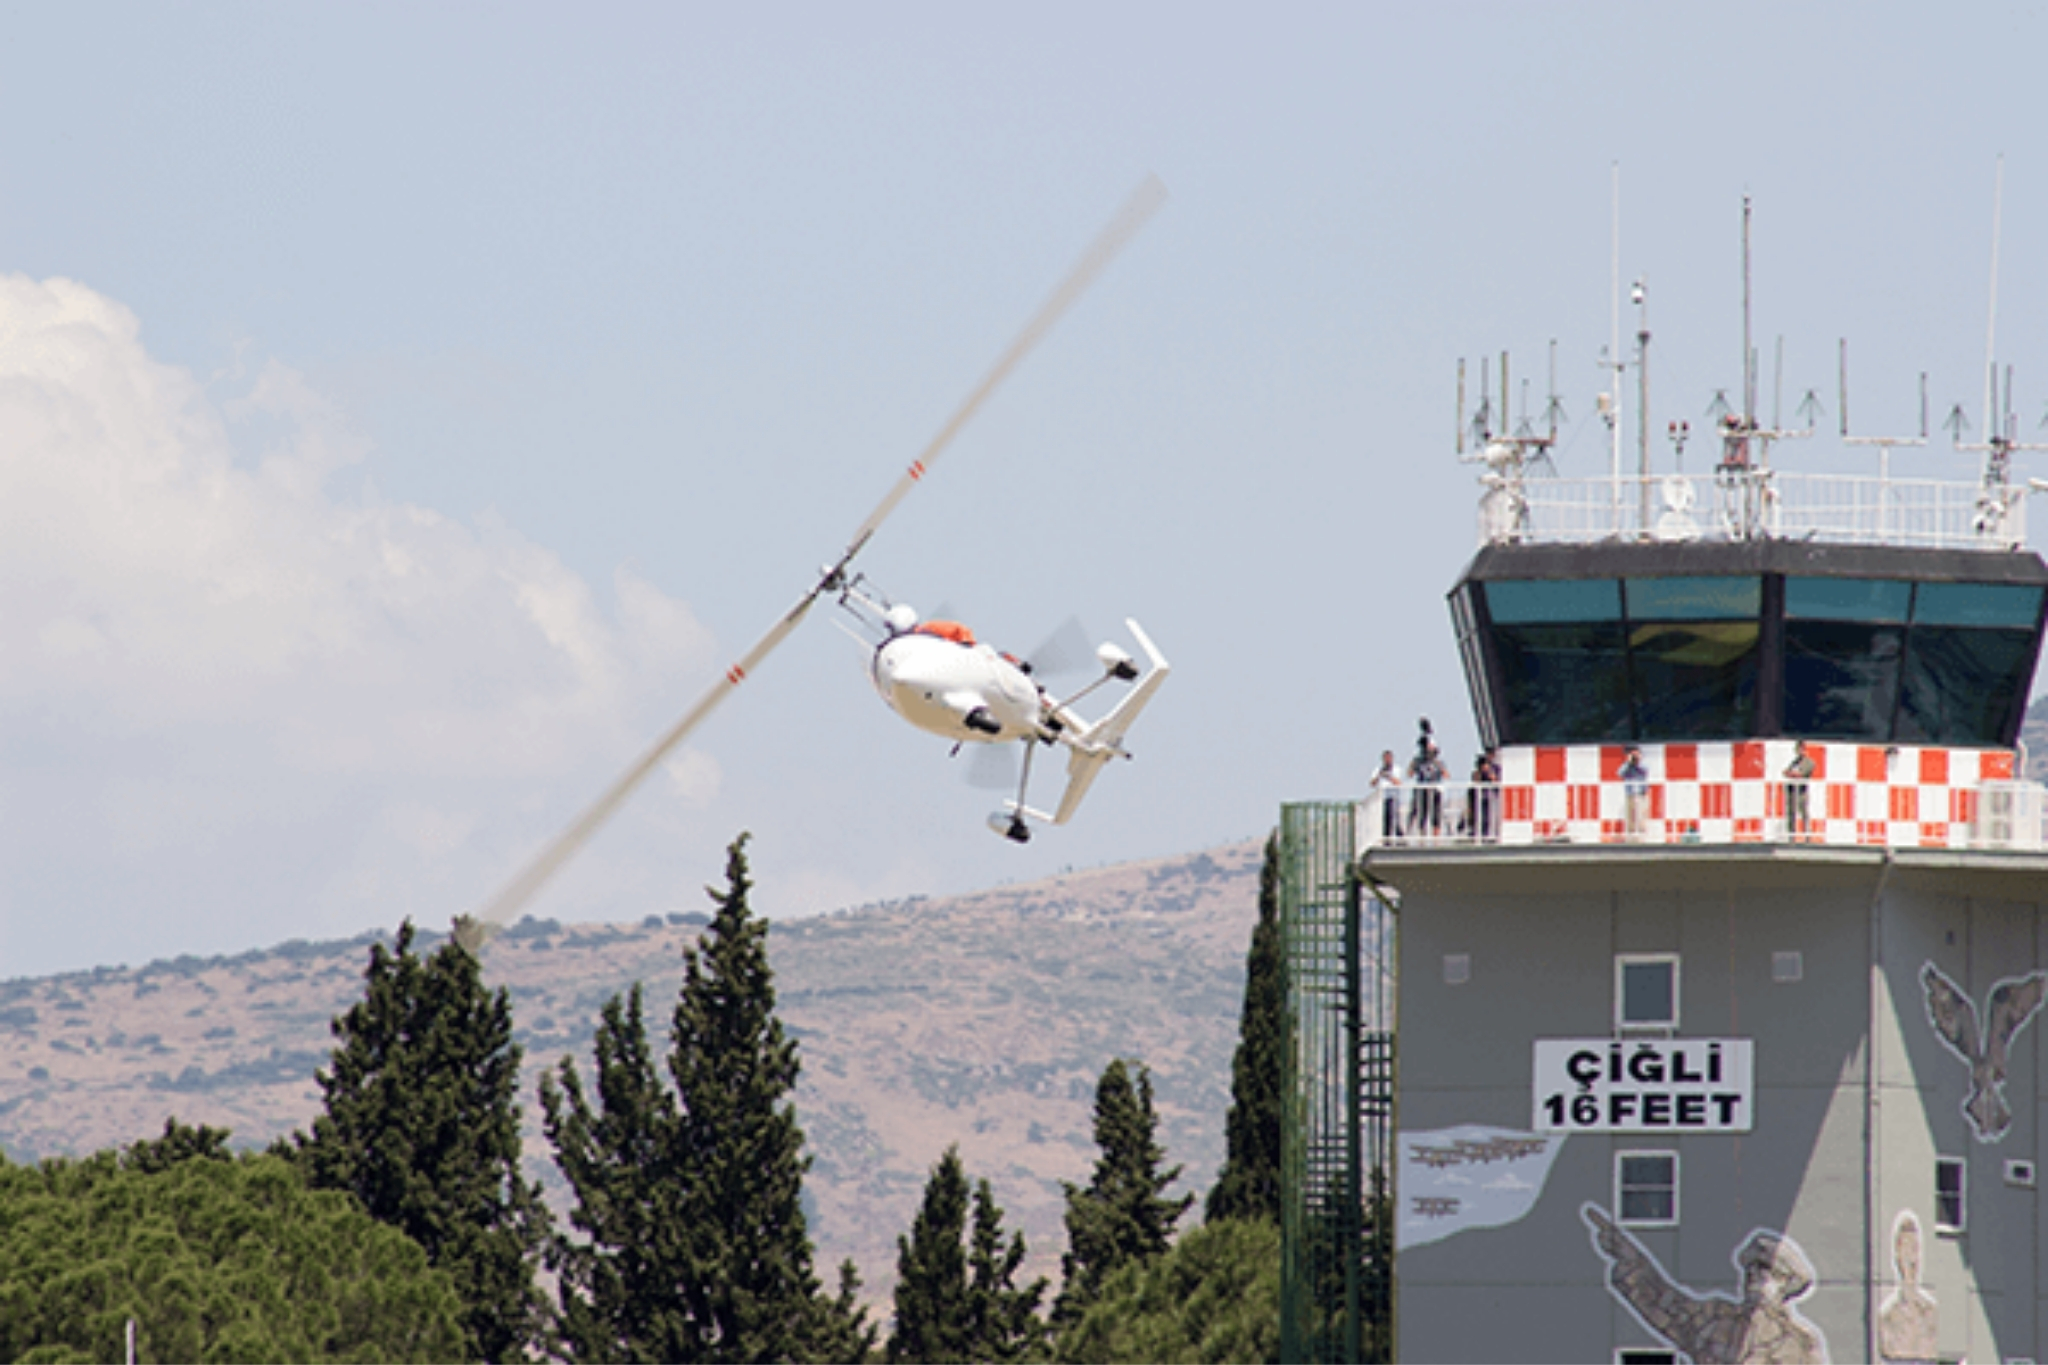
(1716, 1329)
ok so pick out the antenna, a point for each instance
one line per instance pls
(1884, 444)
(1614, 360)
(1461, 406)
(1991, 308)
(1507, 452)
(1996, 497)
(1748, 501)
(1641, 294)
(1553, 411)
(1748, 350)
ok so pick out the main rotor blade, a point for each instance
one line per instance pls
(500, 909)
(1144, 201)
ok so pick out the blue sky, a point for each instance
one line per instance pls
(405, 411)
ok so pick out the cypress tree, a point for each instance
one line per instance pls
(620, 1288)
(931, 1272)
(958, 1301)
(1003, 1321)
(698, 1247)
(422, 1127)
(1123, 1216)
(1248, 1186)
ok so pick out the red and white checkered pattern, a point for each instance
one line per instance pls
(1735, 792)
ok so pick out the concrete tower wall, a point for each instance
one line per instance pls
(1820, 960)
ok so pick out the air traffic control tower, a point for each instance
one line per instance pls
(1717, 1012)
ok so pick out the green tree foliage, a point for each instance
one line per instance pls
(1123, 1216)
(621, 1285)
(214, 1258)
(180, 1142)
(956, 1295)
(422, 1127)
(1214, 1297)
(1004, 1316)
(931, 1272)
(697, 1247)
(1248, 1186)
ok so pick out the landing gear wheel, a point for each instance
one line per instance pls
(980, 721)
(1018, 832)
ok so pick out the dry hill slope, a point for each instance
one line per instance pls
(983, 1020)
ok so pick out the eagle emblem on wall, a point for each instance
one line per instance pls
(1985, 1043)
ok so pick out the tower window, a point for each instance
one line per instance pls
(1646, 1188)
(1949, 1194)
(1646, 991)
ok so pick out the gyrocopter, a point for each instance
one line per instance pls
(934, 674)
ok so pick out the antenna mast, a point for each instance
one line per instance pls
(1997, 497)
(1614, 360)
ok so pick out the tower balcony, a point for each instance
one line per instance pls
(1721, 793)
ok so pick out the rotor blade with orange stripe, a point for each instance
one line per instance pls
(522, 888)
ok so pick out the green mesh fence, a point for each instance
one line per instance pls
(1337, 1249)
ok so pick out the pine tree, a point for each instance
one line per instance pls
(1214, 1296)
(1123, 1217)
(1248, 1186)
(209, 1257)
(180, 1142)
(698, 1247)
(422, 1127)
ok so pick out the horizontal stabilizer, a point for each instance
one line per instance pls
(1091, 747)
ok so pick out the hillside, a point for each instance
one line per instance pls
(983, 1020)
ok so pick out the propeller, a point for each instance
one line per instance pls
(993, 767)
(474, 931)
(1063, 653)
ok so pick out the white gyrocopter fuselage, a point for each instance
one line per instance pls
(939, 679)
(937, 676)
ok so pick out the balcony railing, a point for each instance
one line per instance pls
(1993, 816)
(1752, 504)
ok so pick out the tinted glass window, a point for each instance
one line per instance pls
(1694, 679)
(1841, 678)
(1565, 683)
(1649, 992)
(1977, 604)
(1646, 1184)
(1959, 685)
(1593, 599)
(1848, 599)
(1693, 599)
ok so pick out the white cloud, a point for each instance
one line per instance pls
(217, 666)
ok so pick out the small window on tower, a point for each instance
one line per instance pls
(1646, 1188)
(1646, 992)
(1949, 1194)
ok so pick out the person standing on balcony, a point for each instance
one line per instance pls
(1426, 806)
(1482, 803)
(1797, 774)
(1386, 785)
(1635, 787)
